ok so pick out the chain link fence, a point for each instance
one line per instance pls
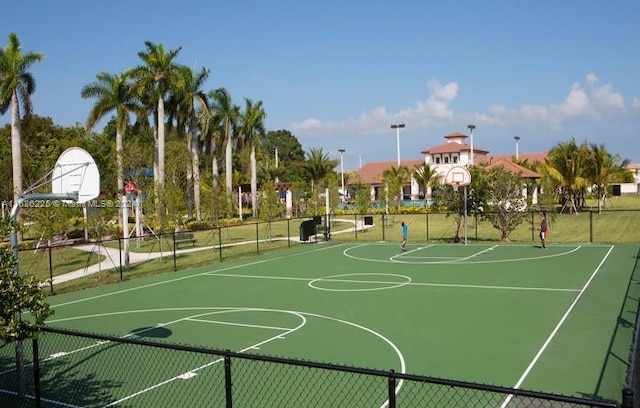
(106, 260)
(66, 368)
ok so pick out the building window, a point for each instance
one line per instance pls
(437, 160)
(455, 159)
(446, 160)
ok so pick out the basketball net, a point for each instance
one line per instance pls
(455, 186)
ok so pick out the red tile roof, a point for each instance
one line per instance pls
(513, 168)
(453, 147)
(530, 157)
(456, 135)
(371, 173)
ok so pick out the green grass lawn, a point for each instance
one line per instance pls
(618, 223)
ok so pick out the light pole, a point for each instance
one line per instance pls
(471, 127)
(517, 139)
(397, 128)
(344, 193)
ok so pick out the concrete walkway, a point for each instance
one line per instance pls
(112, 255)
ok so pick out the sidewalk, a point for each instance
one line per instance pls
(112, 260)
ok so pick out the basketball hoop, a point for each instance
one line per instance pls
(76, 173)
(458, 176)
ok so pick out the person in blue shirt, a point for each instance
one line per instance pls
(405, 236)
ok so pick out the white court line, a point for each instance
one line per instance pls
(252, 326)
(449, 262)
(477, 254)
(182, 376)
(409, 252)
(194, 276)
(556, 329)
(445, 285)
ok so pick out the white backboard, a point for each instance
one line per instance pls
(458, 176)
(76, 171)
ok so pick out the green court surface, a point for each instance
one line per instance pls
(557, 320)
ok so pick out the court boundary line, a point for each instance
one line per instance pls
(394, 348)
(195, 275)
(394, 260)
(412, 283)
(533, 362)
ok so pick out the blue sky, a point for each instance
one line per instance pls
(338, 73)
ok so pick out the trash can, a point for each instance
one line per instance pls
(617, 190)
(307, 229)
(368, 220)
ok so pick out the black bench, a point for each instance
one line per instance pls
(324, 230)
(183, 237)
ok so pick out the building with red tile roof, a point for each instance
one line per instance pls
(455, 152)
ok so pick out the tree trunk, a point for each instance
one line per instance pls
(195, 161)
(160, 151)
(254, 182)
(229, 161)
(122, 214)
(16, 147)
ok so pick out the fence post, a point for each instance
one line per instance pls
(227, 380)
(383, 222)
(591, 226)
(119, 255)
(627, 398)
(175, 262)
(392, 389)
(288, 233)
(36, 372)
(257, 239)
(475, 223)
(426, 215)
(50, 271)
(355, 224)
(533, 228)
(220, 242)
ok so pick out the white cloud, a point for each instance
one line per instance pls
(587, 100)
(435, 109)
(635, 102)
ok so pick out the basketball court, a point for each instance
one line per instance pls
(508, 315)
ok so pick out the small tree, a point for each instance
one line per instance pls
(505, 205)
(270, 206)
(19, 294)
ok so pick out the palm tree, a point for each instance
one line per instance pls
(318, 166)
(252, 131)
(191, 105)
(16, 86)
(225, 115)
(156, 77)
(427, 177)
(113, 94)
(601, 167)
(566, 167)
(395, 177)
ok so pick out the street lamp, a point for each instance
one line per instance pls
(344, 193)
(517, 139)
(397, 128)
(471, 127)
